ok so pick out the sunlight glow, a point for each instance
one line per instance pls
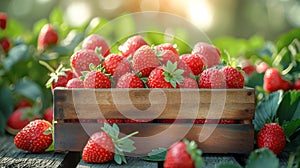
(200, 14)
(77, 13)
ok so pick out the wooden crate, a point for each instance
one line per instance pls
(76, 112)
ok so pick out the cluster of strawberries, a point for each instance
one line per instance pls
(143, 66)
(4, 41)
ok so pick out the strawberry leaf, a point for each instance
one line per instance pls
(266, 109)
(156, 155)
(194, 152)
(290, 127)
(290, 101)
(118, 159)
(228, 165)
(50, 148)
(263, 157)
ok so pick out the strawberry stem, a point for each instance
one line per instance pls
(127, 136)
(45, 64)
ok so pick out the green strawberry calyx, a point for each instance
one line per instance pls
(172, 74)
(121, 145)
(60, 71)
(195, 153)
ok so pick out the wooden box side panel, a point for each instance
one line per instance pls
(237, 138)
(157, 103)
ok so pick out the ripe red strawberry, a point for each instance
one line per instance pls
(234, 78)
(212, 78)
(165, 76)
(75, 83)
(5, 44)
(23, 103)
(183, 154)
(167, 55)
(129, 47)
(96, 79)
(262, 67)
(296, 85)
(81, 60)
(194, 61)
(185, 67)
(129, 80)
(48, 36)
(144, 60)
(188, 83)
(272, 136)
(35, 137)
(209, 54)
(93, 41)
(19, 119)
(3, 20)
(116, 65)
(105, 146)
(247, 66)
(273, 81)
(59, 77)
(48, 114)
(167, 47)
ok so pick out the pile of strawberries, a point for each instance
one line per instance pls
(139, 65)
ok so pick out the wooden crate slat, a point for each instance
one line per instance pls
(231, 138)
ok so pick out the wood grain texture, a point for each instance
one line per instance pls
(154, 103)
(231, 138)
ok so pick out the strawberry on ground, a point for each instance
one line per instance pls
(105, 146)
(94, 41)
(234, 78)
(3, 20)
(273, 81)
(116, 65)
(81, 60)
(188, 83)
(35, 137)
(19, 119)
(129, 80)
(183, 154)
(129, 47)
(194, 61)
(48, 114)
(212, 78)
(272, 136)
(75, 83)
(167, 47)
(209, 54)
(47, 36)
(165, 76)
(96, 79)
(144, 60)
(5, 44)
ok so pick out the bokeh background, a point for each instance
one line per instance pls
(237, 18)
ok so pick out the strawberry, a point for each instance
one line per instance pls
(110, 121)
(165, 76)
(81, 60)
(116, 65)
(296, 85)
(144, 60)
(60, 77)
(167, 47)
(75, 83)
(234, 78)
(130, 80)
(188, 83)
(272, 136)
(194, 62)
(183, 154)
(209, 54)
(47, 36)
(48, 114)
(96, 79)
(212, 121)
(167, 55)
(129, 47)
(105, 146)
(23, 103)
(212, 78)
(34, 137)
(247, 67)
(185, 67)
(5, 44)
(3, 20)
(262, 67)
(273, 81)
(19, 119)
(94, 41)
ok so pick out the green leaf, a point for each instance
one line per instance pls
(2, 122)
(56, 16)
(6, 102)
(262, 158)
(254, 80)
(290, 101)
(28, 88)
(15, 55)
(266, 109)
(290, 127)
(156, 155)
(50, 148)
(38, 26)
(228, 165)
(118, 159)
